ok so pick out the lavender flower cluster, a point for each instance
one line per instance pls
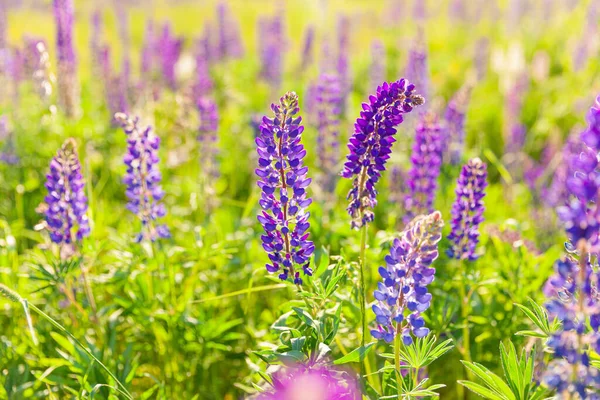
(371, 144)
(426, 161)
(404, 281)
(454, 138)
(66, 201)
(208, 138)
(467, 210)
(574, 299)
(283, 184)
(143, 178)
(312, 382)
(68, 84)
(328, 105)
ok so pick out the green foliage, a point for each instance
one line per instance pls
(518, 382)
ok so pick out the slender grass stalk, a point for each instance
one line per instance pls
(243, 291)
(465, 311)
(15, 297)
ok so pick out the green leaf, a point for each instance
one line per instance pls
(355, 355)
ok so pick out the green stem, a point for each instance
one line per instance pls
(84, 348)
(363, 313)
(465, 330)
(397, 344)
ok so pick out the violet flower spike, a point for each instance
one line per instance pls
(454, 139)
(283, 183)
(467, 210)
(328, 107)
(143, 178)
(68, 84)
(371, 144)
(402, 294)
(426, 160)
(208, 138)
(66, 212)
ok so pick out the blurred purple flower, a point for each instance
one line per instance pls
(404, 280)
(68, 83)
(230, 40)
(169, 49)
(271, 46)
(308, 48)
(417, 67)
(377, 68)
(575, 302)
(328, 108)
(454, 138)
(143, 178)
(283, 183)
(371, 145)
(343, 54)
(208, 138)
(467, 210)
(426, 160)
(37, 66)
(66, 202)
(312, 382)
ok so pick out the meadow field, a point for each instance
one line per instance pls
(299, 199)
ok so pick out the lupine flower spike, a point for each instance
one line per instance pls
(402, 294)
(371, 144)
(66, 201)
(467, 210)
(143, 178)
(208, 141)
(426, 160)
(283, 183)
(328, 107)
(68, 84)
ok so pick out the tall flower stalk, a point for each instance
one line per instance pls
(328, 107)
(68, 83)
(370, 147)
(467, 215)
(402, 294)
(426, 160)
(143, 178)
(283, 183)
(66, 212)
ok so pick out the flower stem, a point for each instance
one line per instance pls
(465, 311)
(361, 291)
(397, 343)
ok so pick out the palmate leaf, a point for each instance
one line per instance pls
(538, 315)
(424, 351)
(518, 372)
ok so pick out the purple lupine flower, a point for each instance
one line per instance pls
(308, 48)
(398, 187)
(377, 68)
(143, 178)
(575, 302)
(581, 214)
(204, 82)
(207, 44)
(591, 136)
(271, 47)
(7, 155)
(148, 51)
(66, 202)
(37, 66)
(96, 40)
(283, 184)
(402, 294)
(417, 67)
(230, 40)
(169, 48)
(371, 144)
(454, 139)
(426, 160)
(557, 193)
(513, 106)
(328, 107)
(208, 138)
(481, 57)
(318, 382)
(343, 52)
(467, 210)
(68, 84)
